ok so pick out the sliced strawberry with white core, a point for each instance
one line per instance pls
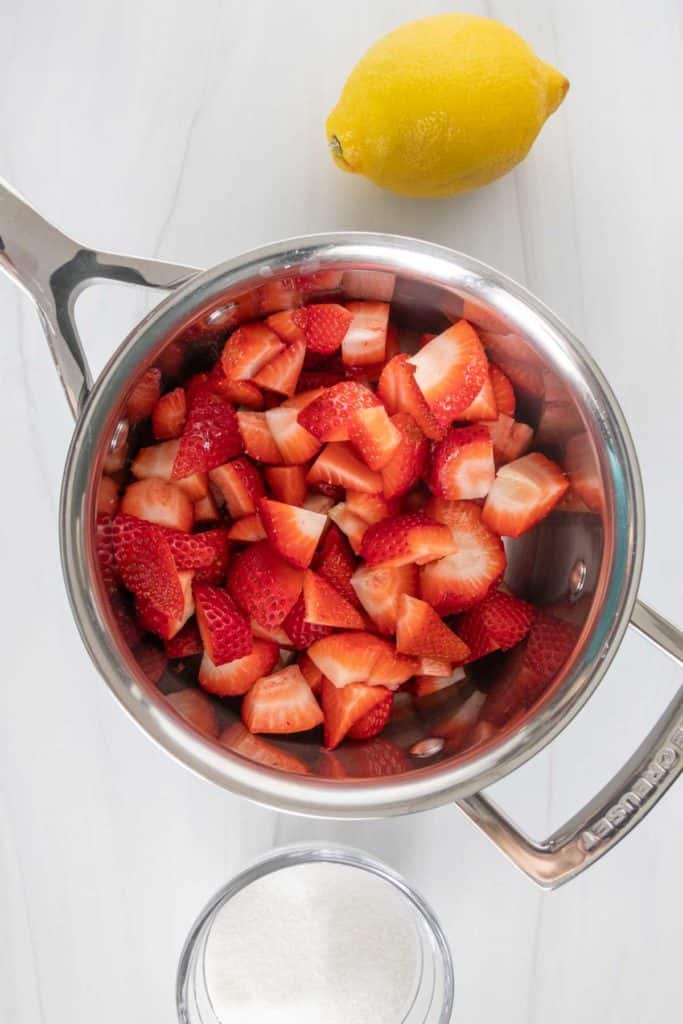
(374, 436)
(379, 590)
(317, 502)
(294, 442)
(257, 437)
(405, 467)
(224, 631)
(247, 530)
(484, 405)
(168, 415)
(434, 667)
(465, 577)
(281, 374)
(293, 532)
(410, 538)
(300, 634)
(158, 502)
(357, 657)
(322, 326)
(157, 461)
(344, 708)
(311, 673)
(338, 464)
(509, 438)
(370, 507)
(366, 338)
(281, 703)
(164, 625)
(523, 493)
(288, 484)
(325, 606)
(374, 720)
(236, 677)
(425, 685)
(263, 584)
(240, 485)
(206, 510)
(450, 370)
(399, 391)
(327, 417)
(462, 464)
(335, 563)
(248, 349)
(503, 391)
(350, 524)
(420, 631)
(276, 634)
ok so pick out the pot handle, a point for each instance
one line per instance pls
(618, 807)
(53, 269)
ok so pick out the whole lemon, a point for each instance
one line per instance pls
(442, 105)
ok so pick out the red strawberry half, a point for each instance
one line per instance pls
(225, 632)
(168, 415)
(340, 466)
(210, 438)
(322, 326)
(462, 464)
(374, 436)
(165, 625)
(248, 349)
(358, 657)
(294, 443)
(502, 390)
(399, 391)
(158, 502)
(263, 584)
(281, 374)
(498, 623)
(327, 417)
(240, 485)
(288, 483)
(145, 564)
(257, 437)
(407, 462)
(336, 564)
(300, 633)
(186, 643)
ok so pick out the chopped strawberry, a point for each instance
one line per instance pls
(462, 464)
(107, 497)
(484, 405)
(225, 632)
(281, 374)
(344, 708)
(275, 634)
(503, 391)
(197, 709)
(425, 685)
(215, 571)
(399, 391)
(450, 370)
(206, 510)
(338, 465)
(158, 502)
(293, 532)
(318, 502)
(168, 415)
(257, 437)
(325, 606)
(235, 677)
(434, 667)
(144, 396)
(358, 657)
(366, 338)
(403, 539)
(263, 584)
(240, 741)
(405, 466)
(465, 577)
(158, 621)
(523, 493)
(373, 721)
(420, 631)
(239, 392)
(311, 672)
(327, 417)
(370, 507)
(198, 386)
(189, 550)
(301, 633)
(186, 643)
(158, 460)
(248, 350)
(145, 564)
(379, 589)
(351, 525)
(247, 529)
(210, 438)
(275, 295)
(240, 484)
(322, 326)
(288, 483)
(294, 443)
(498, 623)
(334, 561)
(374, 435)
(455, 514)
(281, 703)
(509, 438)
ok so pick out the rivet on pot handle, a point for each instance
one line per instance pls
(618, 807)
(54, 269)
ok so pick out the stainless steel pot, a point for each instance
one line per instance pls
(584, 560)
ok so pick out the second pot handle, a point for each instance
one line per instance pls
(54, 269)
(618, 807)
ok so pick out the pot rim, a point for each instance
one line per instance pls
(623, 522)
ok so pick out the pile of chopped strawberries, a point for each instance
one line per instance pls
(319, 517)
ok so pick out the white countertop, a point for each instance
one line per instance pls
(144, 127)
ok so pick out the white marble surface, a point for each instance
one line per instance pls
(195, 131)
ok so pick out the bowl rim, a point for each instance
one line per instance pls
(422, 787)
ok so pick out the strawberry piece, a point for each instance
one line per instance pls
(224, 631)
(344, 708)
(263, 584)
(369, 284)
(240, 484)
(247, 530)
(425, 685)
(370, 507)
(248, 350)
(275, 634)
(144, 396)
(158, 502)
(107, 497)
(405, 466)
(322, 326)
(455, 514)
(300, 633)
(462, 464)
(335, 563)
(293, 532)
(161, 622)
(325, 606)
(420, 631)
(409, 538)
(359, 657)
(186, 643)
(239, 392)
(257, 438)
(275, 295)
(498, 623)
(503, 391)
(294, 443)
(288, 483)
(317, 502)
(311, 672)
(327, 417)
(235, 677)
(145, 564)
(465, 577)
(198, 386)
(450, 370)
(169, 414)
(434, 667)
(210, 438)
(158, 460)
(484, 405)
(373, 721)
(190, 551)
(366, 338)
(196, 708)
(281, 374)
(551, 641)
(523, 493)
(338, 465)
(281, 703)
(350, 524)
(399, 391)
(303, 398)
(509, 439)
(374, 436)
(240, 741)
(217, 541)
(379, 590)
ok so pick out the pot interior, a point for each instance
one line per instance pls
(563, 564)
